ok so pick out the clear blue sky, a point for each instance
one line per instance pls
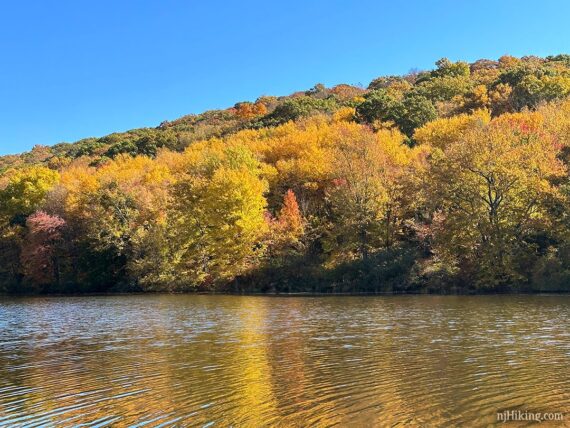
(73, 69)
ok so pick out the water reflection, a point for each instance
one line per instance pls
(281, 361)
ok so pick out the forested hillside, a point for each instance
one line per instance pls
(454, 179)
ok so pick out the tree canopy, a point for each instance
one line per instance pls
(443, 180)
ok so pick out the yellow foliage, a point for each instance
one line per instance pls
(367, 193)
(442, 132)
(26, 190)
(487, 189)
(114, 201)
(499, 98)
(557, 122)
(358, 100)
(345, 114)
(218, 213)
(523, 121)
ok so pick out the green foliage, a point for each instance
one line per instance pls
(413, 111)
(379, 105)
(551, 273)
(296, 108)
(444, 88)
(416, 110)
(85, 147)
(146, 144)
(563, 58)
(451, 69)
(385, 82)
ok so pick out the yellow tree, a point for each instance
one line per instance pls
(556, 122)
(487, 190)
(297, 156)
(25, 191)
(120, 209)
(218, 215)
(365, 200)
(442, 132)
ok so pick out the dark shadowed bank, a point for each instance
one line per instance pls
(393, 272)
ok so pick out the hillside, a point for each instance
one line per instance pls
(453, 179)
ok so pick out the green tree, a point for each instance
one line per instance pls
(413, 111)
(416, 110)
(296, 108)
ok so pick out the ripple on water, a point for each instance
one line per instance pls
(150, 361)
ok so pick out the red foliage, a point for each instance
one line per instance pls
(38, 255)
(290, 215)
(248, 110)
(339, 182)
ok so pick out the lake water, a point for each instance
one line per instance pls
(191, 360)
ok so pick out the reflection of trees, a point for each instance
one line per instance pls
(257, 361)
(247, 368)
(287, 350)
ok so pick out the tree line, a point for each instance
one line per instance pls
(449, 180)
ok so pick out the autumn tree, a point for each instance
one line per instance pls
(120, 213)
(40, 249)
(364, 200)
(463, 166)
(24, 192)
(247, 110)
(442, 132)
(286, 230)
(218, 216)
(488, 189)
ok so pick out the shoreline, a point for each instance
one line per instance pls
(285, 294)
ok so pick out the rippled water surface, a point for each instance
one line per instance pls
(194, 360)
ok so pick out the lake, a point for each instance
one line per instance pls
(198, 360)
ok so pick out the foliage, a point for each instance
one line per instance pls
(443, 180)
(489, 193)
(296, 108)
(363, 202)
(40, 261)
(218, 213)
(409, 113)
(442, 132)
(25, 191)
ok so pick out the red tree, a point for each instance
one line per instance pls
(290, 221)
(39, 249)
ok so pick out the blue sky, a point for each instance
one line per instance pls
(74, 69)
